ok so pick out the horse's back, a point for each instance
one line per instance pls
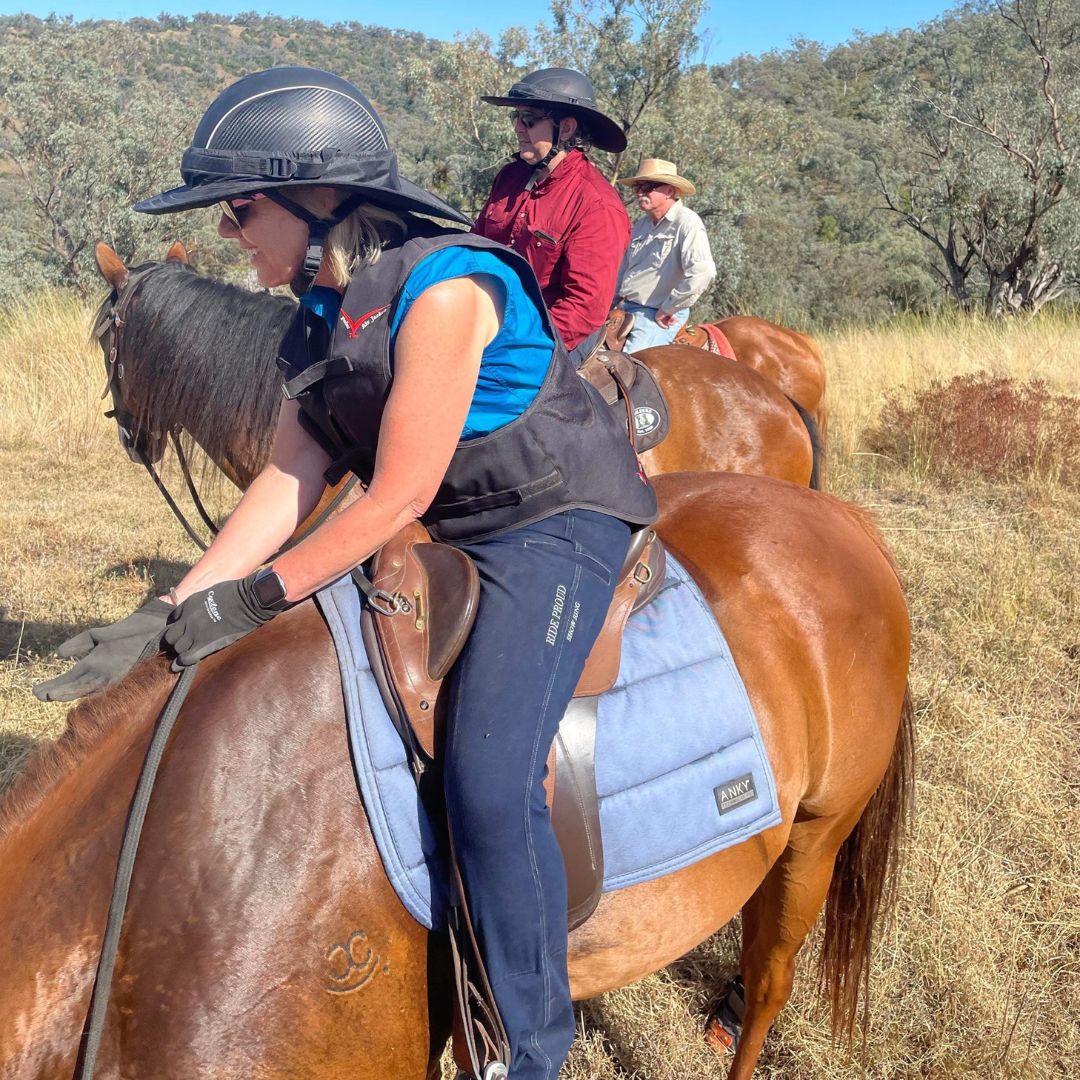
(258, 859)
(726, 417)
(791, 359)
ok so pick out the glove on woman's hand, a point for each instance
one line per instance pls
(209, 620)
(105, 653)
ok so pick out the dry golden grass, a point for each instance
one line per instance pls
(978, 975)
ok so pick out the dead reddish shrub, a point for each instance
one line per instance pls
(995, 428)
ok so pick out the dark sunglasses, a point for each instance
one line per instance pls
(529, 119)
(236, 209)
(644, 189)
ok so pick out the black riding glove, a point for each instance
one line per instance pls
(211, 619)
(105, 653)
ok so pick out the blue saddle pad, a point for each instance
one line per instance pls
(681, 771)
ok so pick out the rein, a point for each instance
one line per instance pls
(99, 1000)
(107, 327)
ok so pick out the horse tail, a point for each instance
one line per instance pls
(816, 444)
(864, 882)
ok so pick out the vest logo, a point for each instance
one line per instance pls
(354, 326)
(735, 793)
(211, 607)
(646, 420)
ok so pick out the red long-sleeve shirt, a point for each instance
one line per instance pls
(572, 228)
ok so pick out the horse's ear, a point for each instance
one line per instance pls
(177, 253)
(110, 266)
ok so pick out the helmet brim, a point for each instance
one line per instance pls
(606, 134)
(408, 197)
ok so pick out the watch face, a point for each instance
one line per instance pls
(269, 589)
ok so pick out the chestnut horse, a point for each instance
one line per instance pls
(183, 331)
(262, 937)
(791, 360)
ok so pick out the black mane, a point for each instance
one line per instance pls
(205, 357)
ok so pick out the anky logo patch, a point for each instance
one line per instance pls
(735, 793)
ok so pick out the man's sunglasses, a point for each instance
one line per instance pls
(529, 119)
(236, 209)
(644, 189)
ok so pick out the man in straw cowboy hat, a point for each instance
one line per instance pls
(668, 264)
(554, 207)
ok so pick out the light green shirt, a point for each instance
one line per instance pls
(668, 265)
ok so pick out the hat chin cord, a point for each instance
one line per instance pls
(318, 229)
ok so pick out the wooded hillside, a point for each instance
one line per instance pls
(930, 168)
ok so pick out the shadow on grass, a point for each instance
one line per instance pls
(29, 640)
(161, 575)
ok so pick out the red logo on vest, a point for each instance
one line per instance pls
(354, 326)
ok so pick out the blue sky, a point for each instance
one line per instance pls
(733, 28)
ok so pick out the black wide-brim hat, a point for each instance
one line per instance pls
(569, 92)
(289, 128)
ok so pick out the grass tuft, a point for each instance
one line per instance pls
(978, 425)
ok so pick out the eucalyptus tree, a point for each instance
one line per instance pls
(983, 159)
(84, 136)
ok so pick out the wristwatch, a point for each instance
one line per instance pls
(269, 590)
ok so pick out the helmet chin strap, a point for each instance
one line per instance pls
(556, 149)
(318, 228)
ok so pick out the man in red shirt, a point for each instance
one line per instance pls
(554, 207)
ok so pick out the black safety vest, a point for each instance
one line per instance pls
(566, 450)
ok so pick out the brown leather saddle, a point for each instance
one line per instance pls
(623, 378)
(422, 600)
(617, 329)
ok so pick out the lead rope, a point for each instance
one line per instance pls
(94, 1027)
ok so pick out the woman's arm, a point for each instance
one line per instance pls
(436, 363)
(279, 498)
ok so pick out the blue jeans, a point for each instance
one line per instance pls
(544, 591)
(647, 332)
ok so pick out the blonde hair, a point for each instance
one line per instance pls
(358, 241)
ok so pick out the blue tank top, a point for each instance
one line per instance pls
(513, 365)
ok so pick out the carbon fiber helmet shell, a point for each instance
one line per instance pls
(290, 127)
(574, 94)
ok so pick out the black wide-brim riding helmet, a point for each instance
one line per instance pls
(287, 128)
(570, 93)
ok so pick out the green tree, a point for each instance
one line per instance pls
(992, 186)
(86, 137)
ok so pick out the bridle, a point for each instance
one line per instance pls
(135, 437)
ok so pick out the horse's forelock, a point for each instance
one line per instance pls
(201, 354)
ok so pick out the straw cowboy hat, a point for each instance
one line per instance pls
(658, 171)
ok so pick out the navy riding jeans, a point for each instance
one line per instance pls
(544, 592)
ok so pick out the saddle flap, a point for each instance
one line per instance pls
(602, 667)
(436, 590)
(597, 371)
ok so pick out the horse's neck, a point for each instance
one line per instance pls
(58, 862)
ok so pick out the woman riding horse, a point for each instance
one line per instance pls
(423, 359)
